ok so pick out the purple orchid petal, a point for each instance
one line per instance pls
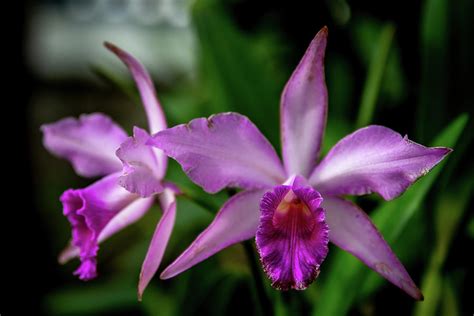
(69, 252)
(236, 221)
(159, 241)
(374, 159)
(89, 210)
(129, 215)
(142, 170)
(292, 238)
(154, 112)
(173, 187)
(89, 143)
(352, 230)
(225, 150)
(126, 217)
(304, 109)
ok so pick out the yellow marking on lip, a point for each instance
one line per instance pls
(291, 202)
(286, 202)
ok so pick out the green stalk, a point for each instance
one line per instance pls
(199, 201)
(374, 77)
(448, 216)
(265, 302)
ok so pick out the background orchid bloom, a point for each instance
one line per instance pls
(96, 146)
(293, 208)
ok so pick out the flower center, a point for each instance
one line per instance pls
(292, 203)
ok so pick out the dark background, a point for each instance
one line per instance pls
(436, 89)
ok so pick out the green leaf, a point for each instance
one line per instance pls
(224, 295)
(450, 304)
(470, 227)
(336, 129)
(117, 82)
(365, 34)
(340, 11)
(346, 271)
(89, 299)
(434, 69)
(198, 284)
(450, 209)
(415, 235)
(280, 307)
(374, 77)
(340, 84)
(236, 77)
(159, 302)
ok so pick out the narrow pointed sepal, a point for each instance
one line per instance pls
(303, 109)
(236, 221)
(353, 231)
(154, 112)
(159, 241)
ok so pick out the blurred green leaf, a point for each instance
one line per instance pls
(434, 69)
(450, 304)
(365, 34)
(449, 211)
(236, 78)
(340, 11)
(90, 299)
(224, 295)
(470, 227)
(159, 302)
(374, 76)
(346, 271)
(209, 203)
(394, 86)
(336, 129)
(280, 307)
(340, 84)
(182, 103)
(415, 236)
(115, 81)
(200, 284)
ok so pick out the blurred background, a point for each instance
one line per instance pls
(405, 65)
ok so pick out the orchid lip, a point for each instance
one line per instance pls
(292, 237)
(89, 211)
(84, 237)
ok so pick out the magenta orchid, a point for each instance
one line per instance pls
(132, 173)
(296, 207)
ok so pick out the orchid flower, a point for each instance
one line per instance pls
(132, 173)
(296, 207)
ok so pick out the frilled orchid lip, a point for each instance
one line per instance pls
(293, 237)
(89, 210)
(83, 236)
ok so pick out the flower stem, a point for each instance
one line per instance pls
(373, 82)
(265, 302)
